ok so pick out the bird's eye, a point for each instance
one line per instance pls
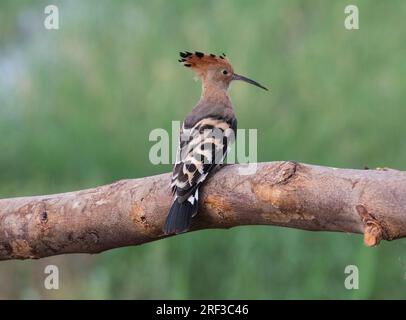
(225, 72)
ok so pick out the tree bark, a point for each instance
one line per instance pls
(132, 212)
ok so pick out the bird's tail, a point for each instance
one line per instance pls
(180, 215)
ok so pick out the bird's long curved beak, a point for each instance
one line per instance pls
(245, 79)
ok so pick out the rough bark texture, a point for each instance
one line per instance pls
(131, 212)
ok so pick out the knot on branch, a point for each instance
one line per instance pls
(373, 231)
(285, 172)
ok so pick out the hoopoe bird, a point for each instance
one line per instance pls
(205, 136)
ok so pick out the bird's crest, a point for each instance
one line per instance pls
(200, 61)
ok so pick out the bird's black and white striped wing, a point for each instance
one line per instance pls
(202, 147)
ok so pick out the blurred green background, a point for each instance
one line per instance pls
(77, 106)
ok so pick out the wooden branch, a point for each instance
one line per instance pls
(132, 212)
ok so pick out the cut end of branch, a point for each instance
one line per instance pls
(372, 235)
(373, 232)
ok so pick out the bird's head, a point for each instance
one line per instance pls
(212, 69)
